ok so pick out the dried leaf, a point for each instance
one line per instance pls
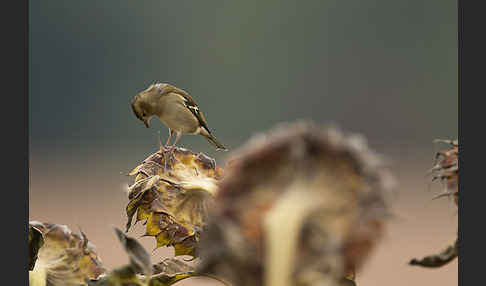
(437, 260)
(347, 282)
(122, 276)
(299, 206)
(172, 197)
(138, 272)
(139, 258)
(131, 274)
(170, 271)
(36, 241)
(172, 266)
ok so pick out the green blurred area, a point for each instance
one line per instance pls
(383, 68)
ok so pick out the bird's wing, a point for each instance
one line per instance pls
(192, 106)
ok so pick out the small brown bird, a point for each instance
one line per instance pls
(176, 109)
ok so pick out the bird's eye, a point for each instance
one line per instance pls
(143, 114)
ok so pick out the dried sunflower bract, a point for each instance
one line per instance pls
(65, 258)
(446, 168)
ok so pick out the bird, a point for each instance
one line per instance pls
(176, 109)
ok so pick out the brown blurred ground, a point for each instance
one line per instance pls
(76, 193)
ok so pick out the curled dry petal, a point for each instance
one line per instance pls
(301, 205)
(66, 258)
(172, 197)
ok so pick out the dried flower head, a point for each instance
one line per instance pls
(446, 168)
(172, 197)
(301, 205)
(66, 258)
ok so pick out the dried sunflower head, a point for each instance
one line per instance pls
(301, 205)
(172, 197)
(66, 258)
(446, 168)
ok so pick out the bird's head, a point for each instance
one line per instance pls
(144, 104)
(140, 110)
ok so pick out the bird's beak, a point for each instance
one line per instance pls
(147, 122)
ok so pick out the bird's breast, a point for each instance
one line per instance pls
(180, 119)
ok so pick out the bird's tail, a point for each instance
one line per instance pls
(214, 141)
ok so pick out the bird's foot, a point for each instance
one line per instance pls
(164, 149)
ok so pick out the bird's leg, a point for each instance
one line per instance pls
(178, 136)
(166, 146)
(163, 148)
(160, 143)
(171, 149)
(168, 139)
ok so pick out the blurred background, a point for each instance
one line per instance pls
(384, 68)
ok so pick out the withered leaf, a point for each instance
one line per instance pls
(36, 241)
(170, 271)
(139, 258)
(437, 260)
(122, 276)
(347, 282)
(172, 266)
(165, 273)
